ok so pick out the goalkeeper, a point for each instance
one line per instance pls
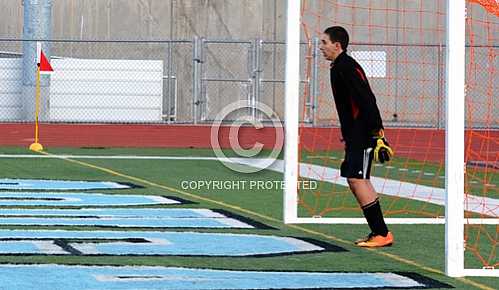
(362, 131)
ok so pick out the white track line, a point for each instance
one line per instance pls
(131, 157)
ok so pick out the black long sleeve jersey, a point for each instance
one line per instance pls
(355, 102)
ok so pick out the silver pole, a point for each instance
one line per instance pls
(314, 91)
(37, 25)
(196, 60)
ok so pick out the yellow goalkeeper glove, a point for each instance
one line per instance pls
(382, 150)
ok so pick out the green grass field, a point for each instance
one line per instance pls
(418, 248)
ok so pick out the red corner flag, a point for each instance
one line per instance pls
(41, 60)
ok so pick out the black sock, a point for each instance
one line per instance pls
(374, 217)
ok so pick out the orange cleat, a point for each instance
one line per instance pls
(373, 241)
(365, 239)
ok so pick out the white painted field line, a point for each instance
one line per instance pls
(131, 157)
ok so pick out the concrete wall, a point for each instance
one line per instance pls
(239, 19)
(154, 19)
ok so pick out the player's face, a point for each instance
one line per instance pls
(329, 50)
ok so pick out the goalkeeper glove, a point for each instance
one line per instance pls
(382, 150)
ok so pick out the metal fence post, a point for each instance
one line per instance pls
(314, 82)
(252, 77)
(440, 89)
(196, 79)
(168, 82)
(202, 102)
(257, 77)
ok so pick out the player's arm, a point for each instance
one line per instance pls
(382, 150)
(363, 98)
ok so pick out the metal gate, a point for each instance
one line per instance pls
(227, 71)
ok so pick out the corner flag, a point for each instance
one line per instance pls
(43, 67)
(41, 60)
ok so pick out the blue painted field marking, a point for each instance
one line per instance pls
(116, 212)
(28, 247)
(123, 217)
(79, 199)
(24, 247)
(161, 243)
(45, 184)
(130, 222)
(48, 277)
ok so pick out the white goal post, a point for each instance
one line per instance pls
(454, 136)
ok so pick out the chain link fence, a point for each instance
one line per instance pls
(191, 81)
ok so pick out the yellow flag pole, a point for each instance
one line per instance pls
(37, 146)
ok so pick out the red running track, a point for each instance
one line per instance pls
(415, 143)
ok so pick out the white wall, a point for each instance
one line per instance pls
(90, 90)
(11, 88)
(106, 90)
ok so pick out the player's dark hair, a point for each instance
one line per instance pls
(338, 34)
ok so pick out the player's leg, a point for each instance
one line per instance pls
(356, 168)
(362, 190)
(369, 202)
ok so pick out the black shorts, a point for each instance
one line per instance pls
(357, 163)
